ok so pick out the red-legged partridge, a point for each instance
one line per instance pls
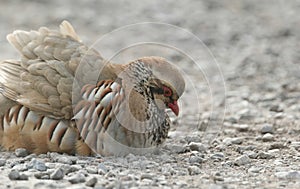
(64, 97)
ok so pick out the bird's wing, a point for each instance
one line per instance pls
(97, 110)
(44, 77)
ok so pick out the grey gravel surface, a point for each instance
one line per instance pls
(256, 141)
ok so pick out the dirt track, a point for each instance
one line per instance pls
(244, 97)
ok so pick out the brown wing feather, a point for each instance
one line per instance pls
(43, 79)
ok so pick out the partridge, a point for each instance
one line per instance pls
(62, 96)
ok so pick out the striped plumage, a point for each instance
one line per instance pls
(64, 97)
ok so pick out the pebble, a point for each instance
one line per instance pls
(296, 145)
(77, 178)
(276, 108)
(2, 162)
(177, 149)
(14, 175)
(195, 159)
(37, 165)
(241, 127)
(251, 154)
(193, 138)
(276, 145)
(288, 175)
(197, 146)
(229, 141)
(194, 170)
(102, 169)
(217, 156)
(242, 160)
(21, 187)
(42, 175)
(267, 128)
(147, 176)
(23, 177)
(58, 174)
(21, 152)
(21, 167)
(64, 160)
(264, 155)
(255, 169)
(91, 182)
(267, 137)
(91, 169)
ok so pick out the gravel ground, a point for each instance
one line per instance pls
(246, 137)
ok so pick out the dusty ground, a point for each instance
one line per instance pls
(239, 126)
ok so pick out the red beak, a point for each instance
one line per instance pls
(174, 107)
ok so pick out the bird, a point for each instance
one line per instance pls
(62, 96)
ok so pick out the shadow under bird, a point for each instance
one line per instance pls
(62, 96)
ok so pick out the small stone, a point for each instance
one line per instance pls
(218, 178)
(275, 152)
(181, 183)
(237, 140)
(73, 168)
(264, 155)
(296, 145)
(242, 149)
(37, 165)
(77, 178)
(251, 154)
(217, 156)
(241, 127)
(229, 141)
(197, 146)
(268, 137)
(276, 108)
(64, 160)
(14, 175)
(227, 164)
(267, 128)
(21, 167)
(276, 145)
(278, 162)
(195, 159)
(91, 170)
(91, 182)
(193, 138)
(194, 170)
(58, 174)
(21, 152)
(82, 162)
(23, 177)
(246, 114)
(288, 175)
(147, 176)
(255, 169)
(21, 187)
(167, 170)
(2, 162)
(242, 160)
(102, 169)
(176, 148)
(42, 175)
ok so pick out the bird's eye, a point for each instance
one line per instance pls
(167, 91)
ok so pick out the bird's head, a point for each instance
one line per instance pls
(161, 80)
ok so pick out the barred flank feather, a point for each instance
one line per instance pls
(22, 128)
